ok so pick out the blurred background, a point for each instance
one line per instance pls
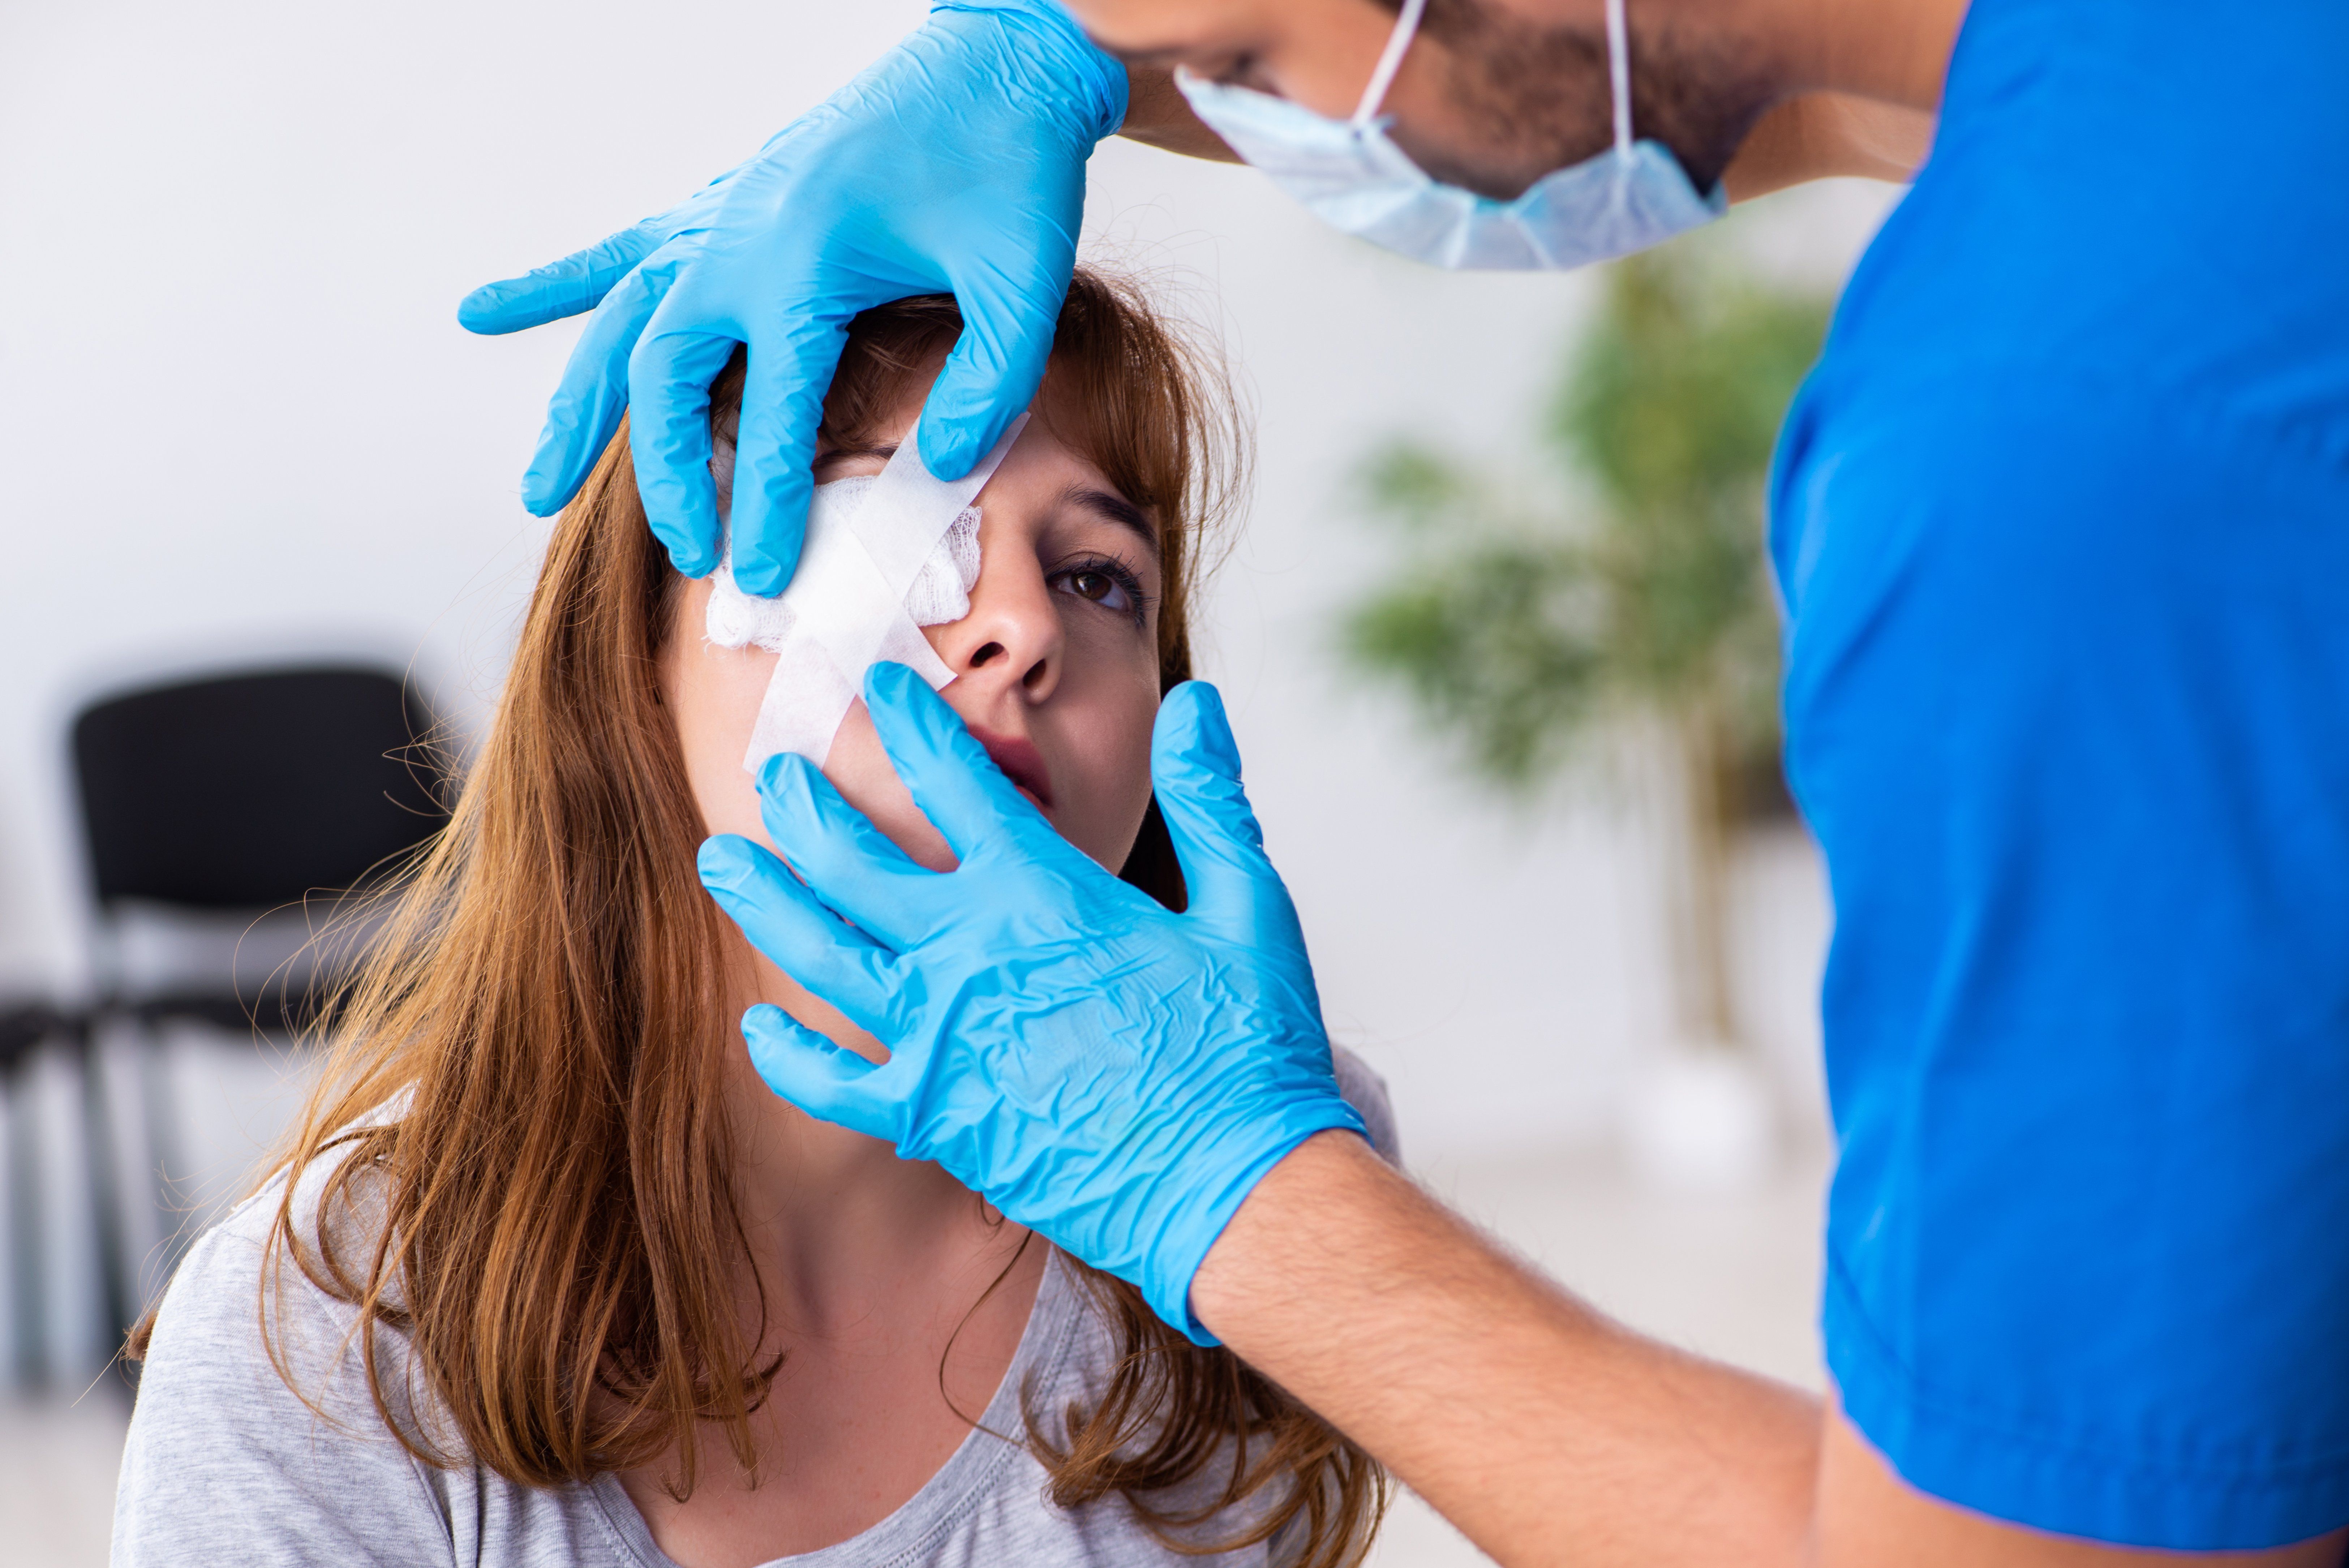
(1495, 633)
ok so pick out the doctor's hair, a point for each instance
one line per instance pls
(516, 1160)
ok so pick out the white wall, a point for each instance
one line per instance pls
(237, 415)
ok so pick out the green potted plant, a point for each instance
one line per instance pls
(1518, 629)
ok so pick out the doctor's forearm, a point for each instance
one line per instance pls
(1544, 1431)
(1551, 1434)
(1157, 114)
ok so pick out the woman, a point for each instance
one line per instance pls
(547, 1274)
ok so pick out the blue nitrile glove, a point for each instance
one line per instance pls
(954, 164)
(1111, 1075)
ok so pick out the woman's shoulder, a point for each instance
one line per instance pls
(255, 1439)
(258, 1437)
(250, 1285)
(1366, 1091)
(329, 1205)
(212, 1313)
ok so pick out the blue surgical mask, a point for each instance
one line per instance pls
(1350, 174)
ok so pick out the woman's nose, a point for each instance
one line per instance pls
(1012, 637)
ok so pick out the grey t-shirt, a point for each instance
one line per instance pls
(226, 1464)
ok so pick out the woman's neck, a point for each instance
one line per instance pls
(893, 1299)
(842, 1232)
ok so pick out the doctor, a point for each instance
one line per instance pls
(2061, 525)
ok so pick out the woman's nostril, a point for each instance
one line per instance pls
(991, 651)
(1035, 676)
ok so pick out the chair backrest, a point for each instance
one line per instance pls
(251, 790)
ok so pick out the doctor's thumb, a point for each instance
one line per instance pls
(1194, 769)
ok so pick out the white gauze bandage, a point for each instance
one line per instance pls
(885, 555)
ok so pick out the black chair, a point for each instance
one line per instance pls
(232, 796)
(26, 1027)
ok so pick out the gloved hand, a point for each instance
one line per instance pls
(957, 164)
(1110, 1074)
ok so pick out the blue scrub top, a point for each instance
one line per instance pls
(2062, 524)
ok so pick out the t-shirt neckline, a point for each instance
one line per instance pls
(913, 1527)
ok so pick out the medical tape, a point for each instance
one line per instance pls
(846, 610)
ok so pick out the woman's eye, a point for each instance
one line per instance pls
(1099, 587)
(1110, 587)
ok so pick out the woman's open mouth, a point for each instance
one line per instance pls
(1021, 763)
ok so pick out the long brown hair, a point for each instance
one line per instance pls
(527, 1074)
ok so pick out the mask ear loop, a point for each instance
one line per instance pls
(1618, 87)
(1618, 76)
(1391, 61)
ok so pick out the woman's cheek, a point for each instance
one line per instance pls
(1107, 742)
(858, 766)
(713, 695)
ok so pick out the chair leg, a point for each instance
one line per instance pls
(28, 1306)
(161, 1124)
(105, 1197)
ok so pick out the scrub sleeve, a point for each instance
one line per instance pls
(2061, 525)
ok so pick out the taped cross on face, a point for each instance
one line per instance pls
(887, 554)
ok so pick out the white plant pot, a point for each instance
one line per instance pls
(1701, 1120)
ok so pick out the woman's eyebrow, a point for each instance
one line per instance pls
(884, 450)
(1115, 507)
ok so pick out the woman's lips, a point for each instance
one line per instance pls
(1021, 763)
